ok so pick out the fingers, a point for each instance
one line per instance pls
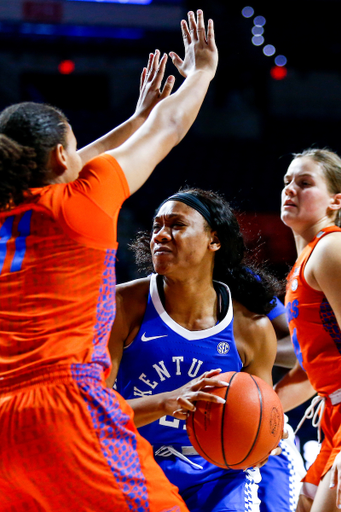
(276, 451)
(285, 434)
(178, 62)
(261, 464)
(192, 25)
(143, 77)
(168, 87)
(185, 33)
(210, 34)
(209, 382)
(186, 401)
(332, 482)
(201, 33)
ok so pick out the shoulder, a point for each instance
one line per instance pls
(253, 332)
(255, 340)
(133, 295)
(326, 254)
(248, 322)
(131, 302)
(328, 244)
(323, 268)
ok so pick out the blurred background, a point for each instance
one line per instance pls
(277, 91)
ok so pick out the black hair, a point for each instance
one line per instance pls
(250, 284)
(29, 132)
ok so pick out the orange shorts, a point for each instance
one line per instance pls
(330, 447)
(68, 443)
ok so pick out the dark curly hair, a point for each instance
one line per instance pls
(250, 285)
(29, 132)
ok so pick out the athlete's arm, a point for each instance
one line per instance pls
(150, 94)
(131, 301)
(294, 388)
(285, 356)
(325, 265)
(170, 120)
(256, 342)
(178, 402)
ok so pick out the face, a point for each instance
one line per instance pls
(306, 200)
(72, 158)
(180, 240)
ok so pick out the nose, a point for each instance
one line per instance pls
(163, 234)
(289, 188)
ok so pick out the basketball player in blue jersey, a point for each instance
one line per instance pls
(176, 330)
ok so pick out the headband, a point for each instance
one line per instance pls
(192, 201)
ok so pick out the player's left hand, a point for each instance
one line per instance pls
(151, 90)
(275, 451)
(335, 479)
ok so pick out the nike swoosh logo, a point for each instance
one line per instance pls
(149, 338)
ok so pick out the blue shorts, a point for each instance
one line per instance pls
(280, 484)
(212, 489)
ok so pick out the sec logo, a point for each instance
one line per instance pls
(294, 285)
(223, 347)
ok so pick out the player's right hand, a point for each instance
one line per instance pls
(200, 48)
(182, 400)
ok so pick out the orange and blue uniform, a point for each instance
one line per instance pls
(67, 442)
(316, 337)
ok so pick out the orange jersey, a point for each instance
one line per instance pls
(313, 327)
(57, 271)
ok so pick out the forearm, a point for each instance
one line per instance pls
(148, 409)
(294, 389)
(180, 110)
(285, 356)
(112, 139)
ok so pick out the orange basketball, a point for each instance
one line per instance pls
(242, 432)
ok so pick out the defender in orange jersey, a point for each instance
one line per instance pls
(67, 442)
(311, 206)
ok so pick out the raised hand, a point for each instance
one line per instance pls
(200, 48)
(150, 84)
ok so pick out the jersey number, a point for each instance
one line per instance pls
(173, 422)
(6, 229)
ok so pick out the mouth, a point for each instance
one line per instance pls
(289, 204)
(161, 250)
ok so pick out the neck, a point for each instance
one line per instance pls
(305, 236)
(191, 303)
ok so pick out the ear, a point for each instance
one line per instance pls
(58, 162)
(335, 202)
(214, 244)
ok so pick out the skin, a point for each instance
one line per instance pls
(307, 207)
(161, 120)
(183, 248)
(285, 356)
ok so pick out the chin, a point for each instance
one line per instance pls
(286, 219)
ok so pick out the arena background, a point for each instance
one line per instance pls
(86, 57)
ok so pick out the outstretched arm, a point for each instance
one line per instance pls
(171, 119)
(151, 92)
(294, 388)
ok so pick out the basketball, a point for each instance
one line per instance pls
(242, 432)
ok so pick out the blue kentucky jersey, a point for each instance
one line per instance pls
(164, 356)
